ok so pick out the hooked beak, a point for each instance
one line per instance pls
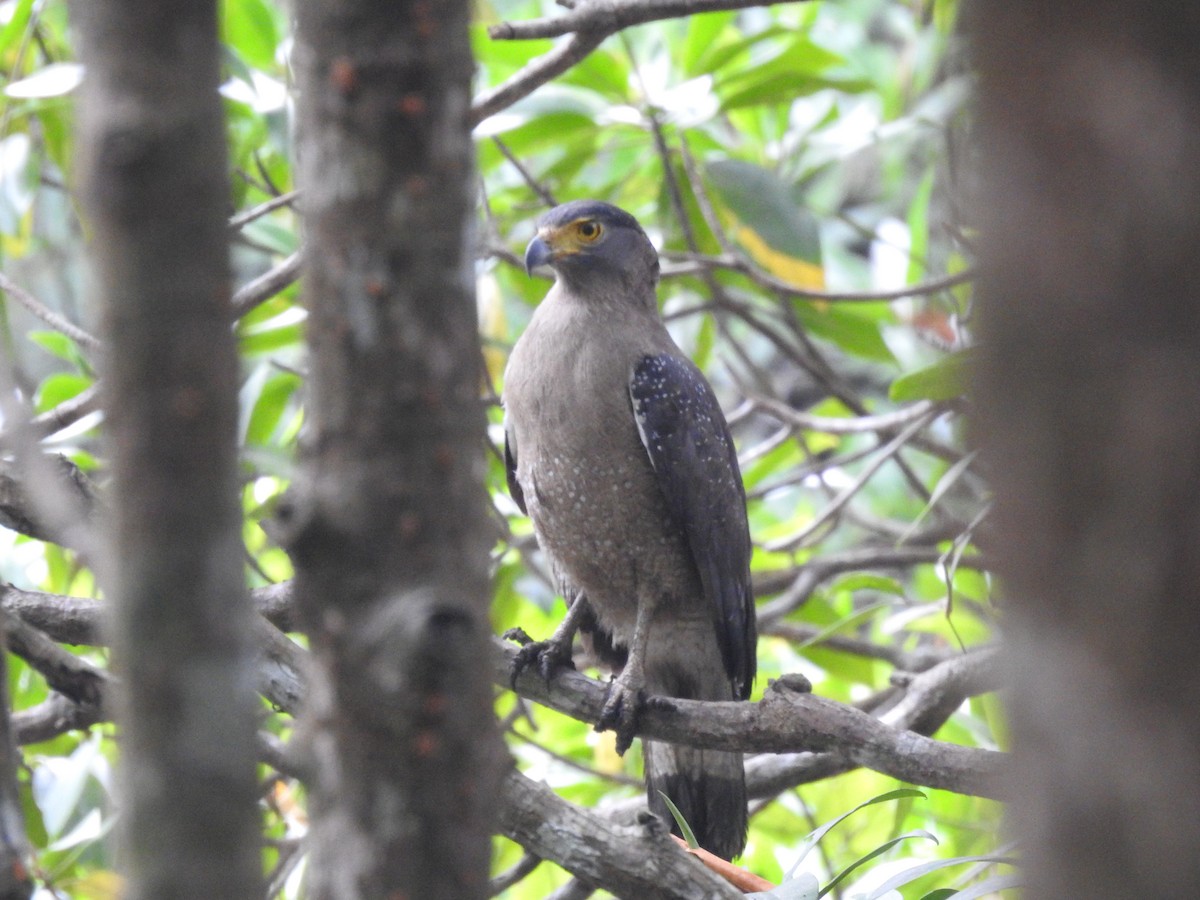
(537, 253)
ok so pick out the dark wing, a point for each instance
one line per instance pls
(510, 472)
(687, 438)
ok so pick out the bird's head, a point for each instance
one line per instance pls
(594, 247)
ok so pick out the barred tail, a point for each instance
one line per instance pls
(708, 787)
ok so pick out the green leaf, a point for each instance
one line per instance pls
(867, 581)
(701, 38)
(602, 72)
(918, 229)
(56, 344)
(797, 71)
(944, 380)
(852, 330)
(58, 388)
(815, 836)
(273, 394)
(878, 851)
(15, 27)
(284, 330)
(248, 26)
(779, 235)
(684, 828)
(702, 352)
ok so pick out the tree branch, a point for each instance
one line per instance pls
(588, 25)
(83, 338)
(610, 16)
(785, 720)
(536, 73)
(640, 862)
(271, 282)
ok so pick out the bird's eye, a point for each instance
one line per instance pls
(589, 230)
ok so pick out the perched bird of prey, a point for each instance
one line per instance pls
(616, 448)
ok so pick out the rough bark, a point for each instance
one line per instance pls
(1090, 138)
(387, 526)
(15, 883)
(155, 191)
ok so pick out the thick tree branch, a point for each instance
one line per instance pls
(70, 675)
(788, 723)
(23, 509)
(79, 620)
(638, 862)
(54, 716)
(784, 721)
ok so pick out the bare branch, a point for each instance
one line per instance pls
(68, 674)
(242, 219)
(610, 16)
(929, 700)
(78, 620)
(66, 413)
(267, 285)
(54, 716)
(639, 862)
(889, 450)
(686, 263)
(533, 75)
(784, 721)
(50, 317)
(832, 425)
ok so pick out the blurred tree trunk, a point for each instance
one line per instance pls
(1090, 393)
(15, 883)
(387, 525)
(155, 190)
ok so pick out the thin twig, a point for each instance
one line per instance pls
(267, 285)
(47, 315)
(692, 263)
(242, 219)
(889, 450)
(610, 16)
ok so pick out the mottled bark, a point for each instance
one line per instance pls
(1090, 396)
(387, 525)
(154, 179)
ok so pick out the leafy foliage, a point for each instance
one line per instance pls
(793, 163)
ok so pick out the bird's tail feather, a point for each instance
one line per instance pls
(707, 786)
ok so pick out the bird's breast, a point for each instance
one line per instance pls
(587, 480)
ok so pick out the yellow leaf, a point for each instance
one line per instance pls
(796, 272)
(99, 885)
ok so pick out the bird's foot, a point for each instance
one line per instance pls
(547, 657)
(621, 708)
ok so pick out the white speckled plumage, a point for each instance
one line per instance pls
(622, 459)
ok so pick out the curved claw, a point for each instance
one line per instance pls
(546, 656)
(620, 714)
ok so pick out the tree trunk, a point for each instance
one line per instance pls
(15, 883)
(155, 190)
(387, 525)
(1090, 396)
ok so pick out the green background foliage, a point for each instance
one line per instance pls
(772, 154)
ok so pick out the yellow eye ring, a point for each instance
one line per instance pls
(589, 230)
